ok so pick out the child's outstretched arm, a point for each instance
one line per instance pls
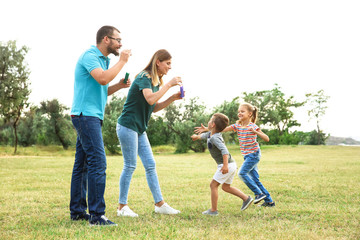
(261, 134)
(228, 129)
(195, 137)
(201, 129)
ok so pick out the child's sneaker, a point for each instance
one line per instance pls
(101, 221)
(211, 213)
(268, 204)
(259, 197)
(166, 209)
(126, 212)
(247, 203)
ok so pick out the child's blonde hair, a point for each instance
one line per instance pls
(251, 109)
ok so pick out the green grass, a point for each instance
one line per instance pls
(316, 189)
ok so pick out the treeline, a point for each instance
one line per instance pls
(49, 123)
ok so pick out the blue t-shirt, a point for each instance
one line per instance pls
(90, 96)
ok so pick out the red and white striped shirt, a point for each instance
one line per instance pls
(247, 139)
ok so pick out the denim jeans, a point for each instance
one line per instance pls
(250, 175)
(89, 167)
(133, 144)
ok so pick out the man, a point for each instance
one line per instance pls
(91, 88)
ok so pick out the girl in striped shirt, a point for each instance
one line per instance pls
(247, 132)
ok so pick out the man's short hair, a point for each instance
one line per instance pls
(221, 121)
(105, 31)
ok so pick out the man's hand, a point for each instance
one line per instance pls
(124, 55)
(124, 85)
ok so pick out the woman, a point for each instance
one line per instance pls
(142, 100)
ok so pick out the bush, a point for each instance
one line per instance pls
(158, 132)
(113, 110)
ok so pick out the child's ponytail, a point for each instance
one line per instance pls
(254, 114)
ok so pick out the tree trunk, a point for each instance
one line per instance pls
(57, 132)
(318, 133)
(16, 137)
(15, 127)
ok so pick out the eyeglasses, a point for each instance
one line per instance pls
(116, 39)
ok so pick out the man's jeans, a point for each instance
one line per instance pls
(89, 167)
(133, 144)
(250, 175)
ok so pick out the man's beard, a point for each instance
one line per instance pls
(112, 50)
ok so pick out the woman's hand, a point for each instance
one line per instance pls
(167, 102)
(177, 96)
(175, 81)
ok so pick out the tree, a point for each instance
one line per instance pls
(157, 131)
(181, 120)
(60, 124)
(317, 138)
(27, 130)
(317, 103)
(6, 133)
(113, 110)
(230, 109)
(274, 108)
(14, 84)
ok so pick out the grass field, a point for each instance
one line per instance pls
(316, 189)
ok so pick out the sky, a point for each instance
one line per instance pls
(219, 48)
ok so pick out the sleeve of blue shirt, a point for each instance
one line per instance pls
(90, 61)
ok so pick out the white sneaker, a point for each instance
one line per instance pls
(126, 212)
(166, 209)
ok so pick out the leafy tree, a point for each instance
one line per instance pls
(230, 109)
(113, 110)
(158, 132)
(35, 128)
(317, 103)
(6, 133)
(274, 108)
(181, 120)
(27, 131)
(59, 123)
(317, 138)
(14, 84)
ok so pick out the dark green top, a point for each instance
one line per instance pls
(136, 112)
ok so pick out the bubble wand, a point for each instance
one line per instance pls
(181, 91)
(126, 77)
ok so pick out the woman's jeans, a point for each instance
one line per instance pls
(250, 175)
(89, 167)
(133, 144)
